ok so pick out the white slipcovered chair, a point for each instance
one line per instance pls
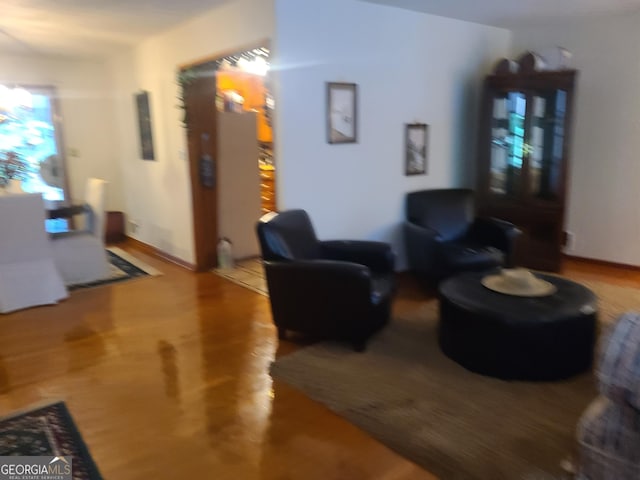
(28, 274)
(80, 254)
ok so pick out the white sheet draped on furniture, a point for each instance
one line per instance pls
(28, 275)
(80, 254)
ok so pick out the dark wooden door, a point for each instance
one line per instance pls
(200, 119)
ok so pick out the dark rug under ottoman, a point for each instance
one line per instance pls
(45, 431)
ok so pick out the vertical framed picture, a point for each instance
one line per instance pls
(415, 149)
(144, 126)
(342, 115)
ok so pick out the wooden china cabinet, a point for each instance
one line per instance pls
(523, 156)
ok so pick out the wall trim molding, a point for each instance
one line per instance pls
(605, 263)
(151, 250)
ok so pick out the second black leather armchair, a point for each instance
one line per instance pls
(339, 289)
(443, 236)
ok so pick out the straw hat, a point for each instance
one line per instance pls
(520, 282)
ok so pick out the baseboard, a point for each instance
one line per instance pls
(604, 263)
(151, 250)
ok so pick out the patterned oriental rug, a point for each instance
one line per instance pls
(456, 424)
(47, 431)
(122, 266)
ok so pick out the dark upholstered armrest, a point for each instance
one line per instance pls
(378, 256)
(489, 230)
(318, 280)
(497, 233)
(424, 233)
(507, 228)
(422, 245)
(339, 267)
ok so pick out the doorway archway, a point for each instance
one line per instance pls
(213, 90)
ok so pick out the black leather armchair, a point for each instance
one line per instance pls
(444, 237)
(340, 289)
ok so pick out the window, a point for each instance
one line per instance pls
(29, 141)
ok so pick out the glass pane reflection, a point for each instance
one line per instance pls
(547, 143)
(507, 142)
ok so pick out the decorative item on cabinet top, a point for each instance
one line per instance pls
(505, 66)
(531, 62)
(546, 59)
(556, 58)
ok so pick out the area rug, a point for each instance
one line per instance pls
(47, 431)
(454, 423)
(122, 266)
(248, 273)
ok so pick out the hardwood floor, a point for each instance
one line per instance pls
(610, 273)
(168, 377)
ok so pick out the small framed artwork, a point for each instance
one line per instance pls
(415, 149)
(144, 126)
(342, 115)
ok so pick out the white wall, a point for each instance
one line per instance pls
(84, 89)
(158, 193)
(409, 67)
(605, 170)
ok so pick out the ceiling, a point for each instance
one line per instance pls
(85, 28)
(508, 13)
(88, 27)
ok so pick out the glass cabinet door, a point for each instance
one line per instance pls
(507, 142)
(546, 143)
(523, 159)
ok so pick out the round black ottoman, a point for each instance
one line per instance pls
(517, 338)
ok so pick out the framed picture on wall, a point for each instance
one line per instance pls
(342, 115)
(144, 126)
(415, 149)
